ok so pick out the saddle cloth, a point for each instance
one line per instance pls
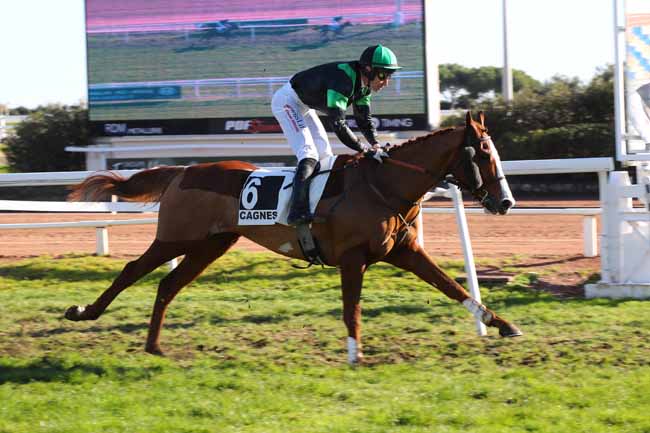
(265, 197)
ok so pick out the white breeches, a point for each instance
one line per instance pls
(638, 116)
(301, 125)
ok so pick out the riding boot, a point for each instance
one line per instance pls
(300, 212)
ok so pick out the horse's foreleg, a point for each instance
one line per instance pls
(157, 254)
(195, 261)
(353, 265)
(413, 258)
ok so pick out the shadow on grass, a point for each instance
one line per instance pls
(56, 370)
(126, 328)
(258, 319)
(35, 271)
(324, 43)
(545, 263)
(194, 48)
(387, 309)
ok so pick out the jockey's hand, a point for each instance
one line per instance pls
(376, 153)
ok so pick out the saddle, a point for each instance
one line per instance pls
(265, 200)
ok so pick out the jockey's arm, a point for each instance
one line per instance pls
(364, 122)
(342, 130)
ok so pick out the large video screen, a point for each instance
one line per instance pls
(211, 67)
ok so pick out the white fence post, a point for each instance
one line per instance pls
(102, 241)
(470, 268)
(589, 236)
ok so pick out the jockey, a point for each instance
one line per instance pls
(639, 107)
(329, 88)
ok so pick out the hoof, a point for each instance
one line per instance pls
(509, 330)
(74, 313)
(154, 351)
(358, 360)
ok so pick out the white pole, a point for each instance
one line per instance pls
(398, 19)
(101, 248)
(432, 77)
(420, 229)
(470, 268)
(604, 225)
(590, 247)
(619, 87)
(506, 76)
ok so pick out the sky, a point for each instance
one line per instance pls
(44, 54)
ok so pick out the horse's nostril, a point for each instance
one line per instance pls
(506, 204)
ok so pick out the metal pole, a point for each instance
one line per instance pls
(619, 87)
(398, 18)
(431, 76)
(506, 76)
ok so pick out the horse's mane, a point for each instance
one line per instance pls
(414, 140)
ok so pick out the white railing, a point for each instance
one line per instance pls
(554, 166)
(239, 85)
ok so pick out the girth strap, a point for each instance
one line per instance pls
(309, 247)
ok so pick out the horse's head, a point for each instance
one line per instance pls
(478, 168)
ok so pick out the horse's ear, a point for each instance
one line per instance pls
(481, 116)
(468, 118)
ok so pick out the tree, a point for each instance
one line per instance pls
(561, 118)
(461, 85)
(39, 142)
(19, 111)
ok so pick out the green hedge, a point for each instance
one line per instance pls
(562, 119)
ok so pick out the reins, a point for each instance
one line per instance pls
(410, 166)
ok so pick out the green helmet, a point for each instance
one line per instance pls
(378, 56)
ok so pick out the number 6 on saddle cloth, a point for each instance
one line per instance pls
(265, 197)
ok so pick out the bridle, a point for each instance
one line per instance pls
(474, 184)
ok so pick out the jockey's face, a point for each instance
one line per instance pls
(381, 79)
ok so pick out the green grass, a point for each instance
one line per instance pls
(255, 345)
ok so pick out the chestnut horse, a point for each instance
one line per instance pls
(367, 214)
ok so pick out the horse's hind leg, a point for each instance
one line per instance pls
(196, 260)
(157, 254)
(413, 258)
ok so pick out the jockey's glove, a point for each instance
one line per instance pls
(376, 153)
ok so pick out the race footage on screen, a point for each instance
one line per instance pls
(184, 60)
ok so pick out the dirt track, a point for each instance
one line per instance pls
(550, 245)
(492, 236)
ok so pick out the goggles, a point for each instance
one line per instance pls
(383, 74)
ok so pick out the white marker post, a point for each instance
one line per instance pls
(470, 268)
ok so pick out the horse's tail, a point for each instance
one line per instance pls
(146, 186)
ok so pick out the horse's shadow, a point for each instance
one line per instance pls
(387, 309)
(126, 328)
(56, 370)
(194, 48)
(31, 272)
(323, 43)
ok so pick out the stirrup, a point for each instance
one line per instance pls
(309, 247)
(304, 218)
